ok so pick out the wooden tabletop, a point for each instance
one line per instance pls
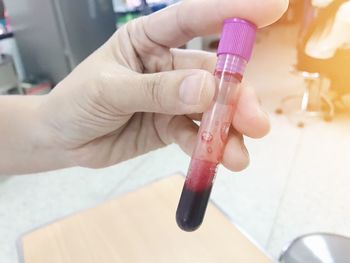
(140, 227)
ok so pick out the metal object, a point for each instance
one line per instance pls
(317, 248)
(311, 105)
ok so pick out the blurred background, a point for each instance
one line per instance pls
(298, 180)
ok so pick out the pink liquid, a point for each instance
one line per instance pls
(213, 133)
(200, 175)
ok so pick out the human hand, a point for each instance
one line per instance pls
(137, 92)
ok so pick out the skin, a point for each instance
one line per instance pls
(136, 93)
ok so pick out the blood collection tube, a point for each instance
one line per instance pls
(234, 51)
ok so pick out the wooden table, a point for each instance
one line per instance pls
(140, 227)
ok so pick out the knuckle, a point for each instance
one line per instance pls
(153, 89)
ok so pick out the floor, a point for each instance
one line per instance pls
(297, 181)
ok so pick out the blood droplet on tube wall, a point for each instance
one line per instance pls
(235, 47)
(206, 136)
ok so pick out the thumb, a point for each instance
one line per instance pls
(172, 92)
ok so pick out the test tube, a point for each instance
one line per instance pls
(234, 51)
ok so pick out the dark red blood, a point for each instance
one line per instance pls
(195, 194)
(191, 209)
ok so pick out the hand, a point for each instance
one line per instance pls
(137, 93)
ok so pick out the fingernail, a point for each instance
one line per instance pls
(245, 151)
(264, 113)
(191, 89)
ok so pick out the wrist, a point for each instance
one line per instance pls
(45, 139)
(25, 141)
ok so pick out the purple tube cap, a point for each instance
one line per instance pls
(237, 38)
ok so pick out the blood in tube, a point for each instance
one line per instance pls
(195, 194)
(234, 51)
(211, 141)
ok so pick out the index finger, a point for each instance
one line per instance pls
(175, 25)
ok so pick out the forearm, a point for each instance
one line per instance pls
(24, 140)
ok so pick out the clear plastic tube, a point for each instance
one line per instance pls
(211, 141)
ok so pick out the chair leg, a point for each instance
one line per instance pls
(328, 115)
(305, 100)
(279, 110)
(310, 103)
